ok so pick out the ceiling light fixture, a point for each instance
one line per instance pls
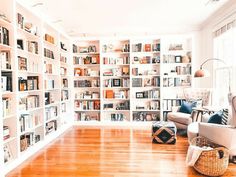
(57, 21)
(37, 4)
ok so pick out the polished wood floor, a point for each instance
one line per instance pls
(109, 152)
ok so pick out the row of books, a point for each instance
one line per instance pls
(124, 105)
(27, 26)
(86, 72)
(146, 116)
(51, 112)
(63, 59)
(51, 97)
(146, 60)
(82, 116)
(148, 72)
(87, 105)
(49, 84)
(32, 46)
(116, 60)
(6, 81)
(49, 38)
(28, 121)
(4, 36)
(80, 49)
(176, 82)
(123, 71)
(148, 105)
(146, 82)
(64, 95)
(124, 82)
(117, 94)
(5, 58)
(6, 106)
(152, 94)
(169, 103)
(28, 140)
(86, 60)
(139, 47)
(118, 117)
(48, 53)
(29, 102)
(87, 83)
(87, 95)
(176, 59)
(64, 83)
(28, 83)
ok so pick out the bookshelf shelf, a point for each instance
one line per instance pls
(5, 47)
(9, 140)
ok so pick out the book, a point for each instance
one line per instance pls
(22, 63)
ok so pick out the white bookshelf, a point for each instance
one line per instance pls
(28, 63)
(87, 93)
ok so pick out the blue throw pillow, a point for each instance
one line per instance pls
(187, 107)
(216, 118)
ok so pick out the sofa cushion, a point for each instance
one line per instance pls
(187, 107)
(179, 117)
(225, 116)
(216, 118)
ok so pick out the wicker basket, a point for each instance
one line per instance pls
(211, 162)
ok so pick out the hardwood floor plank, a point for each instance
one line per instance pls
(109, 152)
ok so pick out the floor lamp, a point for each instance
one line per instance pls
(205, 73)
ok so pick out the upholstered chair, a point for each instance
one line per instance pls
(182, 120)
(222, 134)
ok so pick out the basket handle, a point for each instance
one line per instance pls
(221, 154)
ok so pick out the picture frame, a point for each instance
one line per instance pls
(139, 95)
(178, 59)
(116, 82)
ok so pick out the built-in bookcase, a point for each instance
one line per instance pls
(87, 92)
(137, 76)
(36, 83)
(115, 79)
(176, 70)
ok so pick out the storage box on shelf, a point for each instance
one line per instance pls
(145, 66)
(86, 59)
(115, 80)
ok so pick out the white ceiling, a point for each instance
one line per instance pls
(126, 17)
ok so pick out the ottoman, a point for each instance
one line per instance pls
(164, 132)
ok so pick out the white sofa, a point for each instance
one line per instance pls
(224, 135)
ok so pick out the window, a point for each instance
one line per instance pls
(225, 75)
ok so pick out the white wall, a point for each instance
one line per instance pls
(205, 41)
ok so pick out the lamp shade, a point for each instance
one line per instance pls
(202, 73)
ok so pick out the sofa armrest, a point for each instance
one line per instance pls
(224, 135)
(175, 108)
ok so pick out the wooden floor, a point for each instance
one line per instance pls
(107, 152)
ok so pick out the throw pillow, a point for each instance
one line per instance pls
(187, 107)
(216, 118)
(225, 116)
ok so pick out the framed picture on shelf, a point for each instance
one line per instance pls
(116, 82)
(178, 59)
(139, 95)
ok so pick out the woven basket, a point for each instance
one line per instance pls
(211, 162)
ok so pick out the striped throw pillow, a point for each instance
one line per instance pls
(225, 116)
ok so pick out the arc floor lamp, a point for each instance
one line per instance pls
(205, 73)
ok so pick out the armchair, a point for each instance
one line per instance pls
(182, 120)
(222, 134)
